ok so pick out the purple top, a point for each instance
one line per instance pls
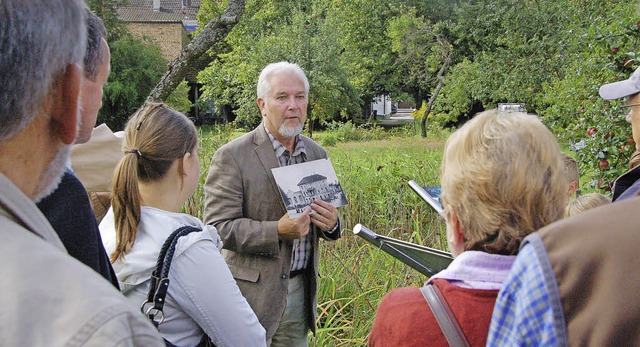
(477, 270)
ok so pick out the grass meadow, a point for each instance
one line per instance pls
(373, 171)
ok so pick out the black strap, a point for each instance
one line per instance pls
(160, 277)
(446, 320)
(160, 283)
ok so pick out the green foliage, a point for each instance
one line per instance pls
(346, 132)
(342, 50)
(329, 140)
(508, 50)
(550, 54)
(455, 98)
(210, 9)
(420, 50)
(136, 67)
(365, 53)
(179, 99)
(574, 106)
(106, 9)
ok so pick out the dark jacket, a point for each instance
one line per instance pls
(627, 185)
(69, 212)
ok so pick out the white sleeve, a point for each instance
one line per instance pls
(202, 285)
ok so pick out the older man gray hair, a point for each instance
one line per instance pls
(47, 297)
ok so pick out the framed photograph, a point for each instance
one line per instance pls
(303, 183)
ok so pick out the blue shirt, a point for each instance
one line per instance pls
(528, 311)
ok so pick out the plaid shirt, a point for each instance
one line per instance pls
(301, 247)
(528, 311)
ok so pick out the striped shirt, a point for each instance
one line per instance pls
(301, 247)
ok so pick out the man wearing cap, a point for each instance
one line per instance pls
(577, 281)
(628, 184)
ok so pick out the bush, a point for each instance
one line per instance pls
(577, 114)
(179, 99)
(329, 140)
(136, 67)
(346, 132)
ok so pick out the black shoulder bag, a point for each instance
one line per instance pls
(160, 283)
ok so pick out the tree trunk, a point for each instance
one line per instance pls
(440, 77)
(193, 55)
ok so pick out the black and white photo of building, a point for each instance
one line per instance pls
(304, 183)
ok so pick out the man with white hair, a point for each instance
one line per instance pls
(47, 297)
(273, 257)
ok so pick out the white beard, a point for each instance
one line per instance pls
(52, 175)
(287, 132)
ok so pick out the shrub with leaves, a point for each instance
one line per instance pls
(136, 67)
(575, 110)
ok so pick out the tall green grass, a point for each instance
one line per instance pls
(354, 274)
(374, 175)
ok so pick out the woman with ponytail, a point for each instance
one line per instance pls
(159, 172)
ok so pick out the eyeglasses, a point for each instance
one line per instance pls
(629, 105)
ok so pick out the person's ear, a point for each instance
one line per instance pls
(186, 164)
(65, 110)
(457, 235)
(456, 227)
(573, 186)
(261, 105)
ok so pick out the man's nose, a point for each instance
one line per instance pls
(293, 103)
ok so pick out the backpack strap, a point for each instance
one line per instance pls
(160, 277)
(444, 316)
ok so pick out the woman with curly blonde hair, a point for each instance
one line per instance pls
(502, 178)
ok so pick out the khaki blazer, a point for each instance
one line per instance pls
(243, 202)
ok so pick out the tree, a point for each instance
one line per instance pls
(574, 109)
(271, 31)
(440, 78)
(136, 66)
(106, 10)
(190, 56)
(513, 48)
(553, 55)
(365, 51)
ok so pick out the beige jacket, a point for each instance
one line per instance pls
(47, 298)
(95, 161)
(243, 202)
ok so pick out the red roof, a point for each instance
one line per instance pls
(171, 11)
